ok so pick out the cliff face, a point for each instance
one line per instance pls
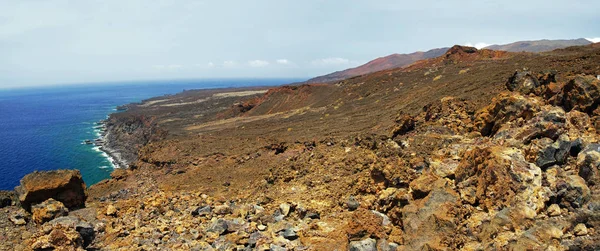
(465, 151)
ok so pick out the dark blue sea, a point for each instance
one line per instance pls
(43, 128)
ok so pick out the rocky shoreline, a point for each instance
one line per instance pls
(103, 144)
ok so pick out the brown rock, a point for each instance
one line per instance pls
(404, 124)
(65, 186)
(48, 210)
(427, 221)
(365, 223)
(423, 185)
(506, 107)
(60, 238)
(580, 230)
(498, 173)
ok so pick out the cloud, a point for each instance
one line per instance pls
(333, 62)
(594, 40)
(258, 63)
(168, 67)
(229, 63)
(478, 45)
(211, 64)
(283, 61)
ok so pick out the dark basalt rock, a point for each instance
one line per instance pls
(523, 82)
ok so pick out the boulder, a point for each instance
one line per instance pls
(426, 221)
(548, 122)
(60, 238)
(588, 164)
(505, 108)
(523, 82)
(48, 210)
(581, 93)
(500, 174)
(404, 123)
(572, 191)
(554, 154)
(65, 186)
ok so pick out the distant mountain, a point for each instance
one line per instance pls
(379, 64)
(538, 45)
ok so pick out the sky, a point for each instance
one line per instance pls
(46, 42)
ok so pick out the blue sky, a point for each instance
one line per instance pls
(60, 41)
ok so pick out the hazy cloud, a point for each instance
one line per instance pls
(333, 61)
(229, 63)
(283, 61)
(594, 40)
(168, 67)
(258, 63)
(478, 45)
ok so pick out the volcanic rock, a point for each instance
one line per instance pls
(523, 82)
(48, 210)
(588, 164)
(364, 245)
(581, 93)
(65, 186)
(499, 174)
(18, 217)
(505, 108)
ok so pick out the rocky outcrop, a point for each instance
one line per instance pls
(65, 186)
(582, 93)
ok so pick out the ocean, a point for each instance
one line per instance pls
(44, 128)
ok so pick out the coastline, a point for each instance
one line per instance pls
(102, 142)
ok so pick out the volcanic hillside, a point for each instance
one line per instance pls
(472, 150)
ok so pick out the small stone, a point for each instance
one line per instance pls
(261, 227)
(223, 209)
(554, 210)
(385, 219)
(580, 230)
(18, 218)
(219, 227)
(100, 227)
(313, 215)
(289, 234)
(285, 208)
(352, 203)
(201, 211)
(274, 247)
(364, 245)
(111, 210)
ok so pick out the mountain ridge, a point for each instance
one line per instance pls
(397, 60)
